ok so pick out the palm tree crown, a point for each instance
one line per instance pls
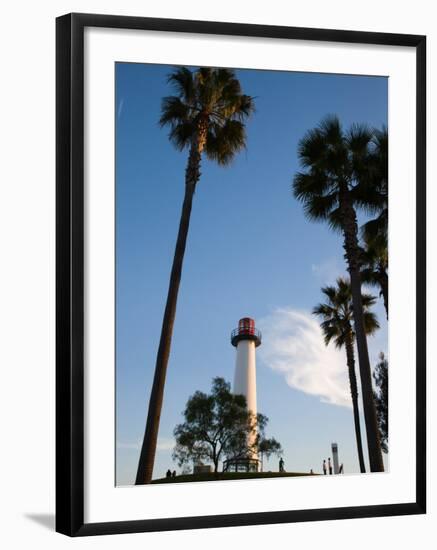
(337, 313)
(210, 102)
(336, 162)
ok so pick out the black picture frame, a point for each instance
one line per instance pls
(70, 273)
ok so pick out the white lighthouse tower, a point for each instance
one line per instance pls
(246, 338)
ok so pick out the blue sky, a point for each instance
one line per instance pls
(250, 252)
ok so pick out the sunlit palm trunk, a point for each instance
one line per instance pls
(350, 232)
(354, 394)
(148, 449)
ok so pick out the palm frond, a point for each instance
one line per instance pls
(376, 228)
(367, 300)
(311, 148)
(369, 277)
(371, 324)
(380, 141)
(182, 81)
(322, 207)
(224, 142)
(331, 129)
(173, 110)
(211, 96)
(335, 220)
(336, 313)
(181, 135)
(358, 139)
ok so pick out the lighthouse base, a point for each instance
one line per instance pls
(241, 465)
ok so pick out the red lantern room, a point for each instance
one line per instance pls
(246, 331)
(246, 325)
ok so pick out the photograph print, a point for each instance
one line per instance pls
(251, 274)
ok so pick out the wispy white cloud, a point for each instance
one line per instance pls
(293, 346)
(133, 445)
(328, 270)
(120, 107)
(164, 444)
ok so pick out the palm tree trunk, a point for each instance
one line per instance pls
(350, 233)
(354, 393)
(148, 449)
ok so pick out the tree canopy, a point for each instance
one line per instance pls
(380, 376)
(337, 313)
(210, 107)
(217, 426)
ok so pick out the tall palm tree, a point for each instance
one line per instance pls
(335, 167)
(375, 232)
(374, 265)
(337, 325)
(205, 117)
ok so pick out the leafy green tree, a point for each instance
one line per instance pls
(337, 326)
(218, 426)
(205, 117)
(267, 448)
(380, 376)
(331, 187)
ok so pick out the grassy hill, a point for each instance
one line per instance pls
(227, 476)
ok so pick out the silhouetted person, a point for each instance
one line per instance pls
(281, 464)
(311, 472)
(340, 470)
(324, 467)
(329, 466)
(168, 474)
(173, 474)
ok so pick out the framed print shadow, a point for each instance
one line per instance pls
(234, 202)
